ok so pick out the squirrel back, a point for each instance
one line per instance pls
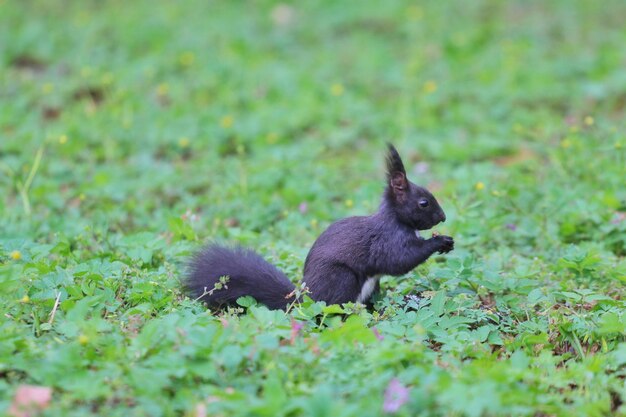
(345, 262)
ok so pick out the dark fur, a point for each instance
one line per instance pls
(344, 256)
(247, 272)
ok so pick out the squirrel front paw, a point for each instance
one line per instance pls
(445, 243)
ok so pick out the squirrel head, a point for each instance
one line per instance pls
(413, 205)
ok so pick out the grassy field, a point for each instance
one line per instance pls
(131, 132)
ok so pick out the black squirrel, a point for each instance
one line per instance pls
(345, 262)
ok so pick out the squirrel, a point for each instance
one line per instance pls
(345, 262)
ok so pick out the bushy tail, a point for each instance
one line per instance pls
(248, 274)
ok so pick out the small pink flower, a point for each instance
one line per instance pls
(377, 334)
(571, 120)
(620, 217)
(303, 207)
(29, 400)
(296, 327)
(396, 395)
(422, 167)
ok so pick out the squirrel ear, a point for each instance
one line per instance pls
(398, 182)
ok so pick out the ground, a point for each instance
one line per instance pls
(131, 132)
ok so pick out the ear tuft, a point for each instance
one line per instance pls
(394, 163)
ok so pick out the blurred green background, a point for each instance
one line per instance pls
(130, 132)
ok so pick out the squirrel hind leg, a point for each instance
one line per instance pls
(334, 284)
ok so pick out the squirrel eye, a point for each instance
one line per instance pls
(423, 203)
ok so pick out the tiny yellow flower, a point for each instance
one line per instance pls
(227, 121)
(337, 89)
(430, 87)
(415, 13)
(25, 299)
(83, 340)
(566, 143)
(589, 121)
(82, 18)
(618, 145)
(496, 193)
(81, 197)
(63, 139)
(314, 223)
(107, 79)
(163, 89)
(459, 38)
(16, 255)
(419, 329)
(187, 59)
(349, 203)
(479, 186)
(183, 142)
(271, 138)
(47, 88)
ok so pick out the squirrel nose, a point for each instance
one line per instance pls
(443, 217)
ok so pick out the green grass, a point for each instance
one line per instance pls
(131, 132)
